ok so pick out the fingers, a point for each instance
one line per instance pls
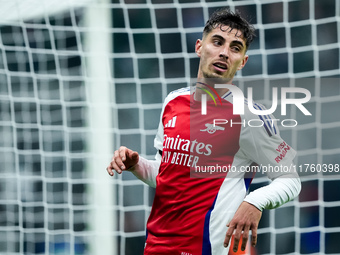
(229, 234)
(246, 218)
(254, 236)
(119, 158)
(245, 236)
(113, 167)
(237, 236)
(122, 151)
(122, 159)
(117, 161)
(240, 233)
(109, 170)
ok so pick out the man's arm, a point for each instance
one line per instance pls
(147, 170)
(280, 191)
(125, 159)
(143, 169)
(264, 146)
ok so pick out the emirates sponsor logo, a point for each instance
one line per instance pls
(184, 152)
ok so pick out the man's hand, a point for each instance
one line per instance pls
(247, 217)
(122, 159)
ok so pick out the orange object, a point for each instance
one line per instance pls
(248, 251)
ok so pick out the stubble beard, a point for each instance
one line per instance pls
(216, 79)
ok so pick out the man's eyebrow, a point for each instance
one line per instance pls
(218, 36)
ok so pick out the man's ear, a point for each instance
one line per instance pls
(243, 63)
(198, 47)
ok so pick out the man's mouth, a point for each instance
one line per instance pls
(221, 66)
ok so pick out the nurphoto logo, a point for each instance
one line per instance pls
(239, 103)
(239, 98)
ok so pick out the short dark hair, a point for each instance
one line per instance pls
(233, 20)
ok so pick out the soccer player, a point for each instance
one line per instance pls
(201, 198)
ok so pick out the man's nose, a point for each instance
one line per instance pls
(224, 53)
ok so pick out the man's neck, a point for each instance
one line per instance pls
(208, 85)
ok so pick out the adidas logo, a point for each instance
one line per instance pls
(171, 123)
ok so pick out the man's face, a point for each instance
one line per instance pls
(222, 53)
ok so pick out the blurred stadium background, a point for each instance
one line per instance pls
(79, 78)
